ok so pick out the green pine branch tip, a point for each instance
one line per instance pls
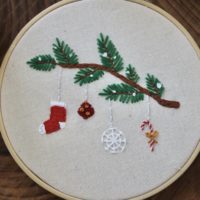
(131, 74)
(63, 53)
(109, 55)
(122, 92)
(154, 85)
(87, 75)
(42, 63)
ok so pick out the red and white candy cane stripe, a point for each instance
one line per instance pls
(148, 124)
(152, 145)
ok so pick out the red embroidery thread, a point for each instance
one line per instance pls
(86, 110)
(56, 120)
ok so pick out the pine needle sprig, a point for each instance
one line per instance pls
(63, 53)
(109, 55)
(131, 74)
(122, 92)
(42, 63)
(87, 75)
(154, 85)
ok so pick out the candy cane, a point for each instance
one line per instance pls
(147, 124)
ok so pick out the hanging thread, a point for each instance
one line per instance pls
(86, 93)
(110, 114)
(59, 89)
(148, 108)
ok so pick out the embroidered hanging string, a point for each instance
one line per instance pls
(110, 115)
(59, 86)
(86, 93)
(151, 134)
(148, 108)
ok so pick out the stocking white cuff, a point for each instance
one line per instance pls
(58, 103)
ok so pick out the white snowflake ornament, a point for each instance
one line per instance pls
(113, 140)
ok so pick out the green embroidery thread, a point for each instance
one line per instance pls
(131, 74)
(154, 85)
(123, 93)
(88, 75)
(63, 53)
(108, 53)
(42, 63)
(129, 91)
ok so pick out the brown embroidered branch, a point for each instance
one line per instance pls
(163, 102)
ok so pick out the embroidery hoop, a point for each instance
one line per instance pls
(5, 135)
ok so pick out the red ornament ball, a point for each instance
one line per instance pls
(86, 110)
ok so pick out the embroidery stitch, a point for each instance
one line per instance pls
(60, 72)
(131, 74)
(86, 110)
(154, 85)
(123, 93)
(113, 140)
(56, 120)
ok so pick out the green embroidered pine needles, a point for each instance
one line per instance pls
(154, 85)
(63, 53)
(42, 63)
(123, 93)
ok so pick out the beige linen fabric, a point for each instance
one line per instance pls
(73, 160)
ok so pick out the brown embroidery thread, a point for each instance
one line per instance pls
(163, 102)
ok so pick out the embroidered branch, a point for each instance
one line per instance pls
(163, 102)
(129, 91)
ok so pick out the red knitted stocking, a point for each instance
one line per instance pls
(57, 119)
